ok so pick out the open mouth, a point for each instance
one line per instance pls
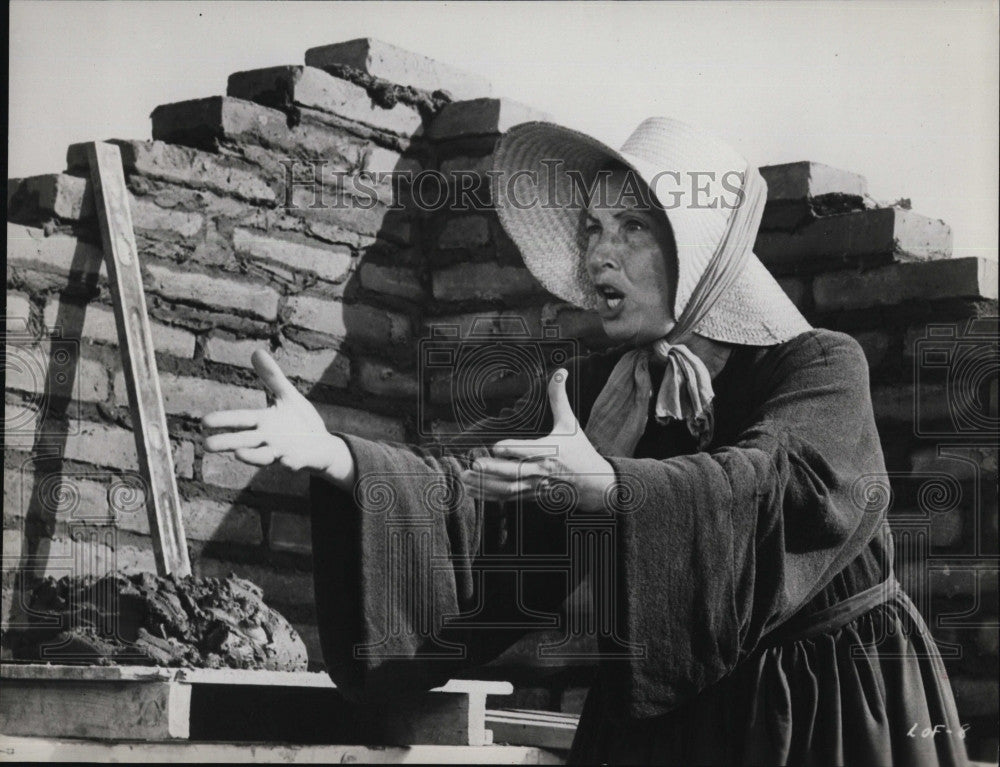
(612, 298)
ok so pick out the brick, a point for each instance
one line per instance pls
(19, 424)
(870, 236)
(56, 194)
(962, 582)
(327, 366)
(975, 697)
(967, 332)
(81, 557)
(194, 397)
(378, 159)
(284, 586)
(333, 263)
(797, 290)
(464, 232)
(482, 116)
(29, 368)
(114, 447)
(354, 322)
(359, 214)
(575, 323)
(524, 322)
(184, 459)
(483, 281)
(313, 88)
(233, 351)
(803, 180)
(895, 402)
(225, 470)
(955, 462)
(18, 310)
(392, 281)
(13, 187)
(185, 166)
(396, 65)
(203, 123)
(875, 344)
(147, 215)
(214, 292)
(385, 380)
(350, 420)
(29, 246)
(15, 492)
(896, 283)
(99, 325)
(207, 520)
(290, 532)
(65, 497)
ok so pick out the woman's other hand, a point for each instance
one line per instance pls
(521, 468)
(289, 432)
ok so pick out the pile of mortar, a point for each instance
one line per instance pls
(146, 619)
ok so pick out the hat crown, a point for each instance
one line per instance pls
(677, 146)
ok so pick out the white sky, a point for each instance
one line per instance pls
(904, 93)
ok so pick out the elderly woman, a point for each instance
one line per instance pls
(747, 607)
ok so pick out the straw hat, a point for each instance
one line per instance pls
(695, 177)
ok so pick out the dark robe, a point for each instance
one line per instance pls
(744, 607)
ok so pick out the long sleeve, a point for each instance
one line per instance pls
(731, 542)
(395, 565)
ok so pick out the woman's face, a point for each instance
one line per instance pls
(628, 244)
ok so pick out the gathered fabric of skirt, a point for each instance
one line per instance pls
(862, 694)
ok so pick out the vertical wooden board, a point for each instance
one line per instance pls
(116, 710)
(135, 341)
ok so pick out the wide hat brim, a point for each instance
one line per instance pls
(538, 167)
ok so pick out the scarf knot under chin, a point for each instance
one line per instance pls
(619, 415)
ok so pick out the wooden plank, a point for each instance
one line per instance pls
(149, 421)
(107, 710)
(229, 704)
(63, 750)
(545, 729)
(48, 672)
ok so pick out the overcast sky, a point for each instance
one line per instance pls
(904, 93)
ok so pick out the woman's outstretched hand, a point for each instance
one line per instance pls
(290, 431)
(521, 468)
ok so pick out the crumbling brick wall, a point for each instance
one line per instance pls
(235, 257)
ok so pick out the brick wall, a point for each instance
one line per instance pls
(235, 258)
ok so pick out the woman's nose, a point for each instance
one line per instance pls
(604, 254)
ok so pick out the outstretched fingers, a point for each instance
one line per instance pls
(257, 456)
(233, 419)
(234, 440)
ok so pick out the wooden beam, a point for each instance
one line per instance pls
(108, 710)
(149, 421)
(522, 727)
(22, 749)
(242, 706)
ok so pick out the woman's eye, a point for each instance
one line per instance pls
(634, 225)
(592, 229)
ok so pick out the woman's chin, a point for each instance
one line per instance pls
(620, 331)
